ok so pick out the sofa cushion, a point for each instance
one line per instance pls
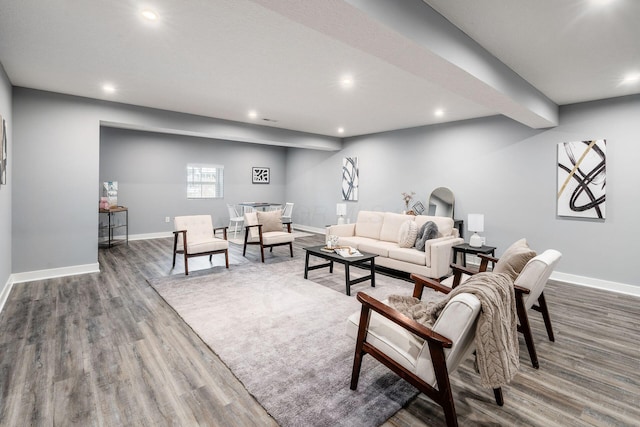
(377, 247)
(428, 231)
(408, 255)
(270, 220)
(391, 226)
(445, 224)
(369, 224)
(407, 234)
(514, 259)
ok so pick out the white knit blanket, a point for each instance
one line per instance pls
(496, 340)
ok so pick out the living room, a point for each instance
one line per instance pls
(61, 147)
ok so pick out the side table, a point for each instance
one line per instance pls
(112, 225)
(466, 248)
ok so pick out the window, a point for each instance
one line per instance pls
(205, 181)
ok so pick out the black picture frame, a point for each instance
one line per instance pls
(260, 175)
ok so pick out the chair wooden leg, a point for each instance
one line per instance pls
(525, 328)
(291, 249)
(262, 252)
(542, 303)
(359, 353)
(497, 392)
(210, 257)
(226, 258)
(175, 248)
(186, 265)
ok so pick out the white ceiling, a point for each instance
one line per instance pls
(285, 58)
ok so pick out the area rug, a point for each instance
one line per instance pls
(284, 339)
(238, 239)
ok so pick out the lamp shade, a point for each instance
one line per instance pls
(476, 222)
(341, 209)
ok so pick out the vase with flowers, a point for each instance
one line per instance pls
(407, 198)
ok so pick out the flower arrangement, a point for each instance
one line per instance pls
(407, 197)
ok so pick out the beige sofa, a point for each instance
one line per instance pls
(379, 232)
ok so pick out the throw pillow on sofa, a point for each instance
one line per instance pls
(514, 259)
(407, 234)
(429, 230)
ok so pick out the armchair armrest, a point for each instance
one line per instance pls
(484, 261)
(370, 303)
(421, 281)
(458, 271)
(224, 231)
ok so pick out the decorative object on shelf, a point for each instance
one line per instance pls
(418, 208)
(110, 191)
(407, 198)
(260, 175)
(350, 179)
(341, 211)
(582, 178)
(104, 203)
(475, 225)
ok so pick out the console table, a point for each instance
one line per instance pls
(466, 248)
(112, 224)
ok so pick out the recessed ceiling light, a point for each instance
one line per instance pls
(439, 112)
(341, 130)
(108, 88)
(347, 82)
(252, 114)
(149, 15)
(631, 78)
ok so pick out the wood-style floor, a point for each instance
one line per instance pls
(104, 349)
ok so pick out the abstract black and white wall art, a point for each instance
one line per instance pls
(260, 175)
(350, 180)
(582, 178)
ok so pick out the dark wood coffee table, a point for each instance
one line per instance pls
(365, 261)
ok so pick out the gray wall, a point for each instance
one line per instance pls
(151, 172)
(56, 164)
(494, 166)
(501, 169)
(5, 190)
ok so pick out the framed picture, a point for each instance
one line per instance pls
(350, 180)
(418, 208)
(260, 175)
(582, 174)
(3, 151)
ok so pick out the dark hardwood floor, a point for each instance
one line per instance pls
(104, 349)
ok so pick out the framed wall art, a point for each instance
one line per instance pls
(582, 180)
(3, 151)
(260, 175)
(350, 179)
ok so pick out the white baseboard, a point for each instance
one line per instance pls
(605, 285)
(29, 276)
(309, 229)
(146, 236)
(4, 295)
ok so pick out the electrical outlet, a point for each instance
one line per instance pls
(167, 219)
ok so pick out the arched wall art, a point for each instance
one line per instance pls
(582, 178)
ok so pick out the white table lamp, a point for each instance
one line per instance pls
(341, 211)
(475, 224)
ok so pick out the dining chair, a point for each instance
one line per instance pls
(235, 219)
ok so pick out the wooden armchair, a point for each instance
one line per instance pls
(422, 356)
(194, 235)
(264, 229)
(529, 286)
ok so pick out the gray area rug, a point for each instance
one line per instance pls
(284, 338)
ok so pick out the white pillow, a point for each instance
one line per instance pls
(407, 234)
